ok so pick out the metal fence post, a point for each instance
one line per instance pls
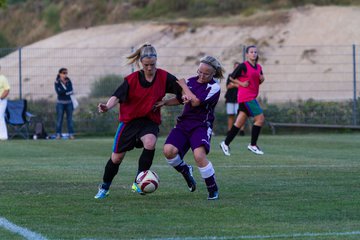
(244, 53)
(132, 65)
(354, 83)
(20, 75)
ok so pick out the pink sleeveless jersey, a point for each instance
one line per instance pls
(246, 94)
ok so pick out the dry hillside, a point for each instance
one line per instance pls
(180, 45)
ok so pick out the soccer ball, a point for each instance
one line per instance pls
(148, 181)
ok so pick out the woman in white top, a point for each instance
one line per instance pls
(4, 92)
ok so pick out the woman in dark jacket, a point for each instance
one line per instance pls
(64, 90)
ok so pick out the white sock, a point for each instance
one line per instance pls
(207, 171)
(176, 161)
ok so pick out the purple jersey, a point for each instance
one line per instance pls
(202, 115)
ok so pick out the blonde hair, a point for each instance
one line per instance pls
(145, 50)
(214, 63)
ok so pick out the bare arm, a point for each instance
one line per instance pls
(190, 96)
(112, 102)
(5, 94)
(262, 79)
(231, 85)
(168, 102)
(239, 83)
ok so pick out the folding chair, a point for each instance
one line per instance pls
(17, 118)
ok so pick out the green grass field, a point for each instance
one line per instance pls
(304, 187)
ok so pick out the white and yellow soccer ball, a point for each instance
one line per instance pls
(148, 181)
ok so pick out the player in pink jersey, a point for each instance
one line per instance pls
(247, 77)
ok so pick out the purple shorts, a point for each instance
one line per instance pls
(183, 140)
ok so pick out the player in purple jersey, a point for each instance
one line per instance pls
(194, 126)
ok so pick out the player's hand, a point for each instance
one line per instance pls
(245, 84)
(102, 108)
(234, 82)
(186, 99)
(158, 105)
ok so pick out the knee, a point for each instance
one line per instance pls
(149, 144)
(260, 120)
(116, 158)
(200, 159)
(170, 151)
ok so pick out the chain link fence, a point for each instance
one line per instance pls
(294, 76)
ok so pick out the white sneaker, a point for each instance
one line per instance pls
(255, 149)
(225, 148)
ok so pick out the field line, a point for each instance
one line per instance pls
(270, 166)
(294, 235)
(27, 234)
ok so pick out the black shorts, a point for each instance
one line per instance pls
(128, 134)
(251, 108)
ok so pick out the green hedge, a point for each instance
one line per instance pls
(88, 121)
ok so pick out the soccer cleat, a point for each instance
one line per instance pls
(189, 178)
(102, 193)
(255, 149)
(225, 148)
(213, 195)
(136, 188)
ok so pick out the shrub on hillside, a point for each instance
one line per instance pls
(105, 86)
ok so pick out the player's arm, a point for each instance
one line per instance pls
(238, 83)
(112, 102)
(120, 95)
(173, 87)
(5, 94)
(166, 102)
(189, 95)
(262, 78)
(230, 84)
(239, 71)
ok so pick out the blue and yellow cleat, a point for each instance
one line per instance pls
(102, 193)
(136, 188)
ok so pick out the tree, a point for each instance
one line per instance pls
(2, 3)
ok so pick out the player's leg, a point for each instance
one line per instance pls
(259, 119)
(240, 121)
(175, 148)
(110, 171)
(200, 144)
(124, 141)
(231, 114)
(148, 136)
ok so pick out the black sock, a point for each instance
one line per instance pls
(111, 169)
(182, 168)
(231, 134)
(211, 184)
(255, 134)
(145, 160)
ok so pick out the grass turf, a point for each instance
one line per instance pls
(303, 184)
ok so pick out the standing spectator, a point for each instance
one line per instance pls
(139, 120)
(64, 90)
(231, 103)
(4, 92)
(194, 126)
(247, 77)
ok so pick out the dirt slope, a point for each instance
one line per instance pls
(98, 51)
